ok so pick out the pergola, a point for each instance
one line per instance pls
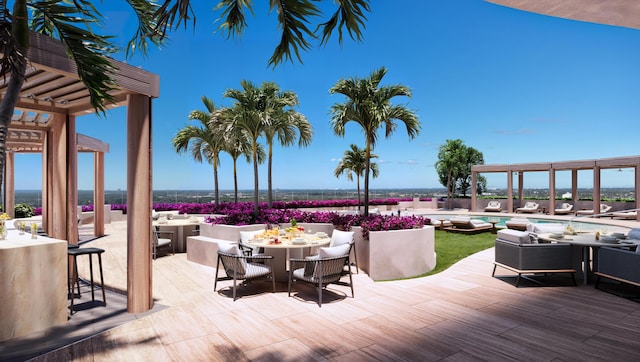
(624, 13)
(551, 167)
(50, 100)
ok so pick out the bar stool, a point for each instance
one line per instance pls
(75, 280)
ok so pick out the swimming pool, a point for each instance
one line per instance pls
(501, 221)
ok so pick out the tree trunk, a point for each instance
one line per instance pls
(215, 183)
(269, 183)
(235, 181)
(358, 186)
(255, 178)
(449, 201)
(367, 165)
(20, 30)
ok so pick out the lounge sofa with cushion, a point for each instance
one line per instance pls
(520, 252)
(467, 225)
(529, 207)
(518, 224)
(564, 209)
(493, 206)
(620, 264)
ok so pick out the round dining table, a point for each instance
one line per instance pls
(288, 248)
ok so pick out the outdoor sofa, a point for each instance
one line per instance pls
(520, 252)
(620, 264)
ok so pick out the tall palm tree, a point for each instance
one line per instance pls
(354, 162)
(249, 114)
(205, 141)
(237, 143)
(450, 159)
(73, 22)
(284, 123)
(369, 105)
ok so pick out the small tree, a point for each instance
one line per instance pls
(354, 161)
(454, 168)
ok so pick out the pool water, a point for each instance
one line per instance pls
(501, 221)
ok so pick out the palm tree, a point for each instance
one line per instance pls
(237, 143)
(369, 105)
(205, 141)
(354, 162)
(450, 161)
(73, 22)
(284, 123)
(249, 114)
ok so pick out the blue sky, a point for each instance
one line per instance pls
(517, 86)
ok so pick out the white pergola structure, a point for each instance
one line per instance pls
(27, 134)
(551, 167)
(623, 13)
(52, 87)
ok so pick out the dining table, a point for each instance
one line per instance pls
(181, 229)
(588, 245)
(287, 247)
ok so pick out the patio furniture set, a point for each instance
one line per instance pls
(258, 256)
(547, 250)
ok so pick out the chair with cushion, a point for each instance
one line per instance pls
(564, 209)
(520, 252)
(339, 237)
(245, 236)
(321, 270)
(161, 242)
(493, 206)
(467, 225)
(239, 266)
(604, 208)
(529, 207)
(618, 264)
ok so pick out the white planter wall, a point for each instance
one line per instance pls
(401, 253)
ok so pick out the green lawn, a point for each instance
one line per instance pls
(451, 247)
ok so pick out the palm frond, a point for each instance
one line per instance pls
(349, 15)
(146, 12)
(293, 15)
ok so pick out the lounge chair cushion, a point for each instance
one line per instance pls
(515, 236)
(546, 228)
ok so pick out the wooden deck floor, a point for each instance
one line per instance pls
(462, 314)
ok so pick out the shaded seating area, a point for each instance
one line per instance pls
(520, 253)
(529, 207)
(493, 206)
(467, 225)
(604, 208)
(564, 209)
(241, 267)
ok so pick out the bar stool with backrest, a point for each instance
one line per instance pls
(74, 252)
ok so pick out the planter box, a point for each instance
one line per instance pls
(397, 253)
(227, 232)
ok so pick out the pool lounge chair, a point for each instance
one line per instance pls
(626, 215)
(493, 206)
(564, 209)
(468, 226)
(529, 207)
(517, 224)
(604, 208)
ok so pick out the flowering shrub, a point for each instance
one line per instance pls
(386, 223)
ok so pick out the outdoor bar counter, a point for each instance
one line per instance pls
(33, 281)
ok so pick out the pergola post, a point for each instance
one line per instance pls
(637, 189)
(56, 163)
(98, 194)
(552, 191)
(474, 190)
(510, 191)
(9, 202)
(72, 181)
(596, 190)
(574, 187)
(139, 203)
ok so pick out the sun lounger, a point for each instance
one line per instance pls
(493, 206)
(627, 215)
(529, 207)
(468, 226)
(517, 224)
(564, 209)
(603, 209)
